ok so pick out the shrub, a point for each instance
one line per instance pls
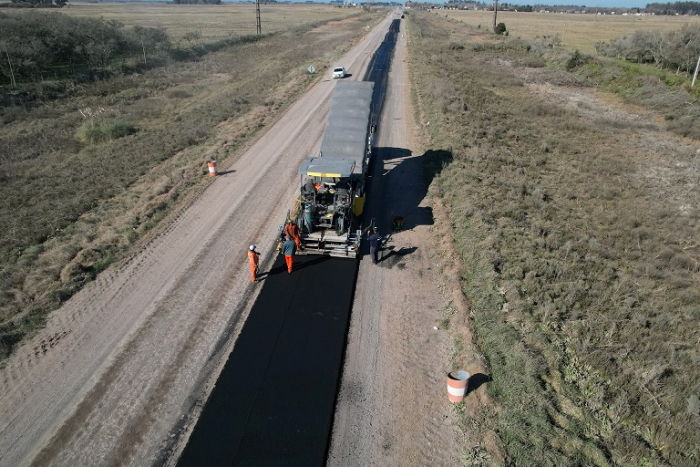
(675, 50)
(92, 132)
(39, 44)
(576, 60)
(685, 126)
(532, 62)
(500, 29)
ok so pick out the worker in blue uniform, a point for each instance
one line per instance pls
(375, 243)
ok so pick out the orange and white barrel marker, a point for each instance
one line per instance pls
(212, 169)
(457, 382)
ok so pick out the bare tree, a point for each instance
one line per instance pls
(139, 30)
(151, 40)
(11, 68)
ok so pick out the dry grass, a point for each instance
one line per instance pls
(575, 31)
(72, 204)
(213, 22)
(579, 238)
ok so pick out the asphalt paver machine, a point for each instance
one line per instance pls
(332, 194)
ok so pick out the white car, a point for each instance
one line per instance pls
(339, 72)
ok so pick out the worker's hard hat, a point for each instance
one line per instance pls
(252, 247)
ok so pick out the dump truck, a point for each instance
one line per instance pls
(332, 195)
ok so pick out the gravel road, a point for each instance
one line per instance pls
(117, 373)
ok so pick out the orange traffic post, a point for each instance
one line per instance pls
(457, 382)
(212, 168)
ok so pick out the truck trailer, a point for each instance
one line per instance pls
(332, 194)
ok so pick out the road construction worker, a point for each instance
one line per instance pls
(288, 250)
(375, 243)
(254, 260)
(292, 229)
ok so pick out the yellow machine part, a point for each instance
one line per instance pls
(358, 205)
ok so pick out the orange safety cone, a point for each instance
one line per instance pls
(457, 382)
(212, 168)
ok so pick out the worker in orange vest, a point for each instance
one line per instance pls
(292, 229)
(254, 260)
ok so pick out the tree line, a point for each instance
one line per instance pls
(39, 3)
(677, 8)
(197, 2)
(675, 50)
(36, 46)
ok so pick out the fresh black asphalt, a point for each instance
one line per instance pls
(274, 400)
(378, 69)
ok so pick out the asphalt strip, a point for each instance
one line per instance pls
(273, 403)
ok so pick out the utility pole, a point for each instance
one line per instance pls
(695, 75)
(495, 12)
(257, 16)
